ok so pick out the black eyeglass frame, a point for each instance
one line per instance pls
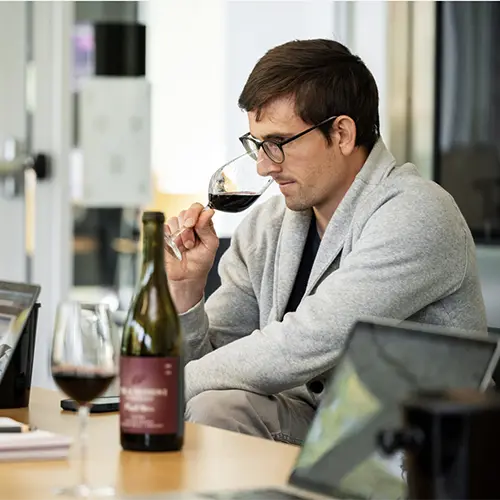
(279, 144)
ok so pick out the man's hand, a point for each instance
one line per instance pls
(198, 245)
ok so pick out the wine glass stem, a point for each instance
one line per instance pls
(83, 415)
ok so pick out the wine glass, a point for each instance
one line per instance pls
(83, 364)
(232, 188)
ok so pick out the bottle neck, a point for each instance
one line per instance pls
(153, 248)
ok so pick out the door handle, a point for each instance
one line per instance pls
(14, 162)
(40, 164)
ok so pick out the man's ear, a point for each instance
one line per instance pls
(345, 131)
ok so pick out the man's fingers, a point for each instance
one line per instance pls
(195, 221)
(205, 218)
(205, 227)
(191, 214)
(181, 217)
(188, 238)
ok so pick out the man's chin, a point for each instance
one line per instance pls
(296, 205)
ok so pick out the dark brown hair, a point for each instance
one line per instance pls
(324, 78)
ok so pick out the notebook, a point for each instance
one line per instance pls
(18, 443)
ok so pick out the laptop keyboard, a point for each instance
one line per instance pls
(260, 494)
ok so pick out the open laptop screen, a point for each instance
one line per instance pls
(382, 364)
(16, 303)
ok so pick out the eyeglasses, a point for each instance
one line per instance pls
(273, 148)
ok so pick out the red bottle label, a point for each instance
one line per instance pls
(149, 396)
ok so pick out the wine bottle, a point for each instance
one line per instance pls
(151, 365)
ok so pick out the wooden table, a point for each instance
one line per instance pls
(211, 458)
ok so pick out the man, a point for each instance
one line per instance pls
(352, 235)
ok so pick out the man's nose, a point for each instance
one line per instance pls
(265, 166)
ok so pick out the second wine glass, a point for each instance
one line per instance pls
(234, 187)
(83, 365)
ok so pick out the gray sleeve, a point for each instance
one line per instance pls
(411, 253)
(230, 313)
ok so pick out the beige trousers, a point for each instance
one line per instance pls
(280, 417)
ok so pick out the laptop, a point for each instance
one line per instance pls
(16, 303)
(382, 363)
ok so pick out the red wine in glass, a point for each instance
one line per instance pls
(232, 202)
(80, 384)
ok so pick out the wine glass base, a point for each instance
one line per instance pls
(83, 491)
(173, 247)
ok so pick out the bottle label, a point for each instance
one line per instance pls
(149, 396)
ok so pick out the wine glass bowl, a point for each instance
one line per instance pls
(83, 365)
(234, 187)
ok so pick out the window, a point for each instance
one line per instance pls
(467, 142)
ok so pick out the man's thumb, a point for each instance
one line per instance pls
(205, 226)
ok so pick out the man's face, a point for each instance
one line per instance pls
(312, 171)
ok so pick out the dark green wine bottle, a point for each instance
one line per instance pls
(151, 365)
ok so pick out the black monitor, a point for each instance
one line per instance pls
(18, 315)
